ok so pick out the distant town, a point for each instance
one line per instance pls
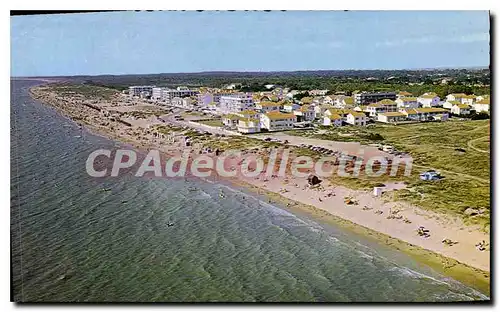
(279, 109)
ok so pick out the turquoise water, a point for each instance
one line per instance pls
(71, 241)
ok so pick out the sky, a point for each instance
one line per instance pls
(175, 41)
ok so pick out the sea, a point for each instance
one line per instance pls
(75, 238)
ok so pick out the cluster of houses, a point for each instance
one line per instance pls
(277, 110)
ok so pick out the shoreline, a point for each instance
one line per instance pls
(468, 275)
(475, 277)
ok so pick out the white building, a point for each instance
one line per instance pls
(449, 104)
(468, 99)
(429, 99)
(332, 120)
(156, 93)
(482, 105)
(407, 102)
(236, 103)
(140, 90)
(391, 117)
(277, 121)
(304, 113)
(426, 113)
(455, 97)
(356, 119)
(249, 125)
(383, 106)
(460, 109)
(177, 102)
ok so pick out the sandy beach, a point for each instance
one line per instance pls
(398, 220)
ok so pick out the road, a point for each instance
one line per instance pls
(194, 125)
(470, 144)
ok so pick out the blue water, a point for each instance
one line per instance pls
(71, 241)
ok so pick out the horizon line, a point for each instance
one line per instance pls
(271, 71)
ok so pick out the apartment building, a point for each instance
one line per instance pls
(372, 97)
(236, 103)
(180, 92)
(142, 91)
(206, 98)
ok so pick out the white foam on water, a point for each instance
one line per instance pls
(416, 275)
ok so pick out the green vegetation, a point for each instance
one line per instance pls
(442, 146)
(414, 81)
(86, 91)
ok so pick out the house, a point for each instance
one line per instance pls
(290, 107)
(429, 99)
(402, 94)
(361, 108)
(277, 121)
(407, 102)
(449, 104)
(455, 97)
(319, 110)
(334, 120)
(391, 117)
(323, 100)
(344, 102)
(328, 99)
(230, 120)
(267, 107)
(468, 99)
(482, 105)
(304, 113)
(460, 109)
(338, 111)
(482, 97)
(356, 119)
(249, 125)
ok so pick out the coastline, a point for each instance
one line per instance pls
(469, 275)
